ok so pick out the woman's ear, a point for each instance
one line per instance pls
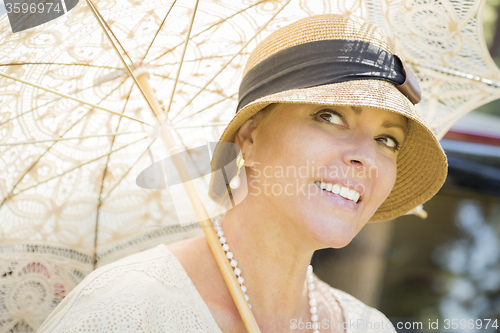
(244, 139)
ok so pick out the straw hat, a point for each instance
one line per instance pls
(337, 60)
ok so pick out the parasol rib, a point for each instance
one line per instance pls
(151, 155)
(204, 109)
(56, 63)
(203, 58)
(210, 27)
(103, 25)
(29, 111)
(80, 165)
(157, 32)
(182, 58)
(231, 60)
(102, 181)
(64, 6)
(131, 167)
(102, 21)
(190, 84)
(66, 139)
(489, 82)
(71, 98)
(54, 101)
(10, 194)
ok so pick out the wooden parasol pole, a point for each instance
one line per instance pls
(165, 132)
(205, 222)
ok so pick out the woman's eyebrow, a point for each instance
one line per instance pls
(388, 124)
(356, 110)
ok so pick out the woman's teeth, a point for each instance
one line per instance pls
(340, 190)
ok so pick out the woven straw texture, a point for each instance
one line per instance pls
(319, 27)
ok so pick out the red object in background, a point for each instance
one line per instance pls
(459, 135)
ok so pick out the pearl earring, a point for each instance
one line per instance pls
(236, 182)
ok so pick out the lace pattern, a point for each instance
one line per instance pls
(33, 284)
(145, 292)
(151, 292)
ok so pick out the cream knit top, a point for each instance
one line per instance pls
(151, 292)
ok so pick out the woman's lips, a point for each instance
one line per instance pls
(337, 199)
(349, 191)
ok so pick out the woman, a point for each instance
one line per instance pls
(330, 139)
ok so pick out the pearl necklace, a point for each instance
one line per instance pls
(310, 281)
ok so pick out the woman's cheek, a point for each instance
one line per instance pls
(254, 184)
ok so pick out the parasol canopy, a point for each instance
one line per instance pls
(75, 131)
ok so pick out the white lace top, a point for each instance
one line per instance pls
(151, 292)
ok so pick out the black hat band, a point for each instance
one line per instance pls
(325, 62)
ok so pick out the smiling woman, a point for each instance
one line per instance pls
(330, 139)
(351, 153)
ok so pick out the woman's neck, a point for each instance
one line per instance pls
(273, 258)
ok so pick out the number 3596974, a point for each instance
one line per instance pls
(33, 8)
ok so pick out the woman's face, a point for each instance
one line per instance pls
(301, 145)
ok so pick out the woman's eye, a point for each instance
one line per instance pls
(389, 142)
(332, 117)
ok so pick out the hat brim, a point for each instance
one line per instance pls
(421, 164)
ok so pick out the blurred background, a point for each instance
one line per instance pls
(446, 266)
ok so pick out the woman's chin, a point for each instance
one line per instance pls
(337, 242)
(332, 232)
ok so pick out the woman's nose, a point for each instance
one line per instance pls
(360, 152)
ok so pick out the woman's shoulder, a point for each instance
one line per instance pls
(131, 289)
(358, 317)
(155, 264)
